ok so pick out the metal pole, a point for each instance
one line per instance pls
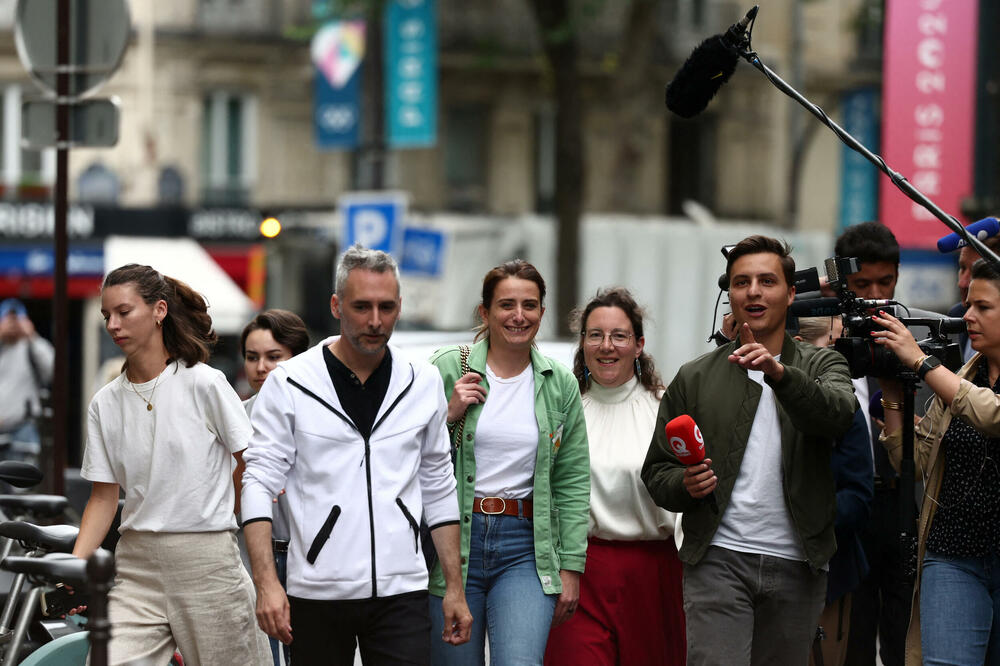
(897, 179)
(375, 146)
(100, 572)
(60, 315)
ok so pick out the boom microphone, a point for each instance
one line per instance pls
(982, 230)
(685, 440)
(706, 70)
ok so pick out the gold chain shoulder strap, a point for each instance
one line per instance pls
(459, 428)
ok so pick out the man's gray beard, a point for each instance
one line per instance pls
(361, 349)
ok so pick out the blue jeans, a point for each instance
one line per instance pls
(960, 610)
(504, 596)
(23, 443)
(281, 566)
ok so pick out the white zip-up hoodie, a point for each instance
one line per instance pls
(354, 506)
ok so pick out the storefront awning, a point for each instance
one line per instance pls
(186, 260)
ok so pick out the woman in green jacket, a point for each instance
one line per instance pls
(523, 472)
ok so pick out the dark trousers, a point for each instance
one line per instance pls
(881, 604)
(743, 609)
(389, 630)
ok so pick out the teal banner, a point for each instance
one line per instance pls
(411, 73)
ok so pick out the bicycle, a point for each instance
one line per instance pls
(94, 574)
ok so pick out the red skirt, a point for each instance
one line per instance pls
(630, 611)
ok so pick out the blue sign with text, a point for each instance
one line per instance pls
(859, 177)
(423, 252)
(411, 75)
(39, 261)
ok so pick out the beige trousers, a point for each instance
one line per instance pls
(184, 591)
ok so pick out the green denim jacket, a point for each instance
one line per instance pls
(561, 493)
(816, 405)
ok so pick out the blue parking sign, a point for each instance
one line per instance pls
(374, 220)
(423, 251)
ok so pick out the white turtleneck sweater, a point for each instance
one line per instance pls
(620, 424)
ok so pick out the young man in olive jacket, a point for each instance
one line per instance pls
(770, 409)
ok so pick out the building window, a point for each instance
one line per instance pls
(229, 159)
(466, 134)
(24, 173)
(98, 185)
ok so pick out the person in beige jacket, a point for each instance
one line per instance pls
(956, 449)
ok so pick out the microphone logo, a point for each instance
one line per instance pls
(679, 446)
(697, 435)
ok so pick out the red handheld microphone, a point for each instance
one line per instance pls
(685, 440)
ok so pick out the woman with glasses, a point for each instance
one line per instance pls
(630, 608)
(523, 478)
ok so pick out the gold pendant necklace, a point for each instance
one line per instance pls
(149, 403)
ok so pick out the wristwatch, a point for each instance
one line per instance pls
(929, 363)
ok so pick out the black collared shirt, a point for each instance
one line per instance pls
(361, 401)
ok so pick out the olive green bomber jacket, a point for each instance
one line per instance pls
(561, 499)
(816, 405)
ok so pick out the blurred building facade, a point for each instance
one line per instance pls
(217, 132)
(217, 110)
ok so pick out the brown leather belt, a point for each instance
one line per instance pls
(493, 506)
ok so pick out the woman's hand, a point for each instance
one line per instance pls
(897, 339)
(467, 392)
(900, 342)
(569, 598)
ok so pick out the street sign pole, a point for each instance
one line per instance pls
(60, 302)
(90, 40)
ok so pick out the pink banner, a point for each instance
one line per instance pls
(928, 116)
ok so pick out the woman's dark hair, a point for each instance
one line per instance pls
(517, 268)
(621, 298)
(983, 270)
(287, 328)
(187, 328)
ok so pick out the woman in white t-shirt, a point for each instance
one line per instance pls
(523, 478)
(166, 432)
(630, 595)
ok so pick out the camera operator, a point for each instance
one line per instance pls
(881, 603)
(966, 257)
(959, 528)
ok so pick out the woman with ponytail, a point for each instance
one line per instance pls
(166, 431)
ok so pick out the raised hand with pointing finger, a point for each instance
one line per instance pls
(752, 355)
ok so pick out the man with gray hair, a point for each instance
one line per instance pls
(356, 435)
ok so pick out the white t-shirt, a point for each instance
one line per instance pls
(174, 462)
(507, 437)
(757, 519)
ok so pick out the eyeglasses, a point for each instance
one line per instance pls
(595, 338)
